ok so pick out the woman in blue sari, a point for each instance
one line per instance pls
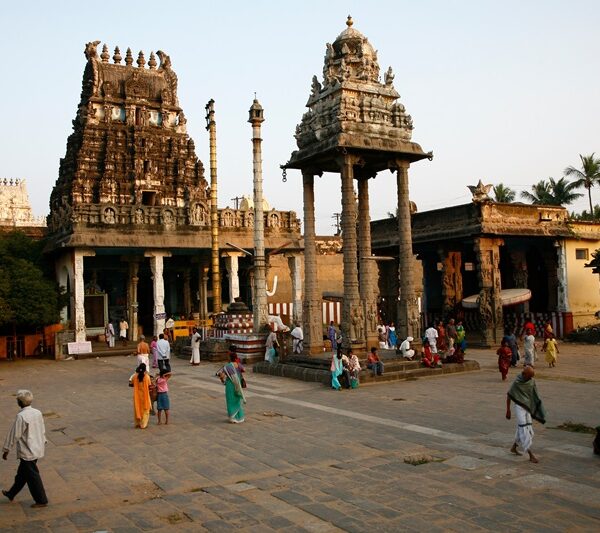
(337, 369)
(231, 377)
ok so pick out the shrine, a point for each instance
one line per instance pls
(130, 214)
(355, 126)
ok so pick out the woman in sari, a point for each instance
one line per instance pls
(353, 369)
(337, 369)
(230, 376)
(442, 345)
(140, 381)
(551, 351)
(392, 338)
(461, 337)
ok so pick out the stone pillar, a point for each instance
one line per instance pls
(490, 303)
(203, 292)
(312, 312)
(561, 274)
(408, 311)
(259, 301)
(368, 268)
(295, 275)
(187, 294)
(156, 266)
(352, 310)
(232, 265)
(132, 299)
(78, 294)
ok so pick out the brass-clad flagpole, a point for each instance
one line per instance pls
(211, 126)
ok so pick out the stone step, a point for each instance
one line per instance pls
(320, 375)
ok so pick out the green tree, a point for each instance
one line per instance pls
(28, 298)
(584, 215)
(552, 192)
(588, 176)
(504, 194)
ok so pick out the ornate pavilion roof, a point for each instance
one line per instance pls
(352, 108)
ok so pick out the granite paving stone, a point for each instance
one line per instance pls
(333, 462)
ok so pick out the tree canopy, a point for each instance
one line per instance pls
(28, 296)
(552, 192)
(587, 177)
(504, 194)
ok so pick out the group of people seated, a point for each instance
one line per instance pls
(345, 369)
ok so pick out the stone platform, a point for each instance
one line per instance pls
(316, 369)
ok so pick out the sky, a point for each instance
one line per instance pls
(499, 91)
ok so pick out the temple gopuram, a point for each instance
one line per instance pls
(129, 224)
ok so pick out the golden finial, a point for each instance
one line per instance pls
(349, 22)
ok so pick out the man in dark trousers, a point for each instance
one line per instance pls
(28, 434)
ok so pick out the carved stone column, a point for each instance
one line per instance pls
(187, 294)
(490, 303)
(232, 265)
(561, 273)
(294, 262)
(408, 311)
(311, 305)
(203, 291)
(368, 267)
(352, 310)
(132, 299)
(156, 266)
(78, 294)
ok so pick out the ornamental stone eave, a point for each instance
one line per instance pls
(378, 153)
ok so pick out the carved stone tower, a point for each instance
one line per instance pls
(356, 126)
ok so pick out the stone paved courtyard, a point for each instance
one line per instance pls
(308, 458)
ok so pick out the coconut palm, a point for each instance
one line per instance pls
(588, 176)
(504, 194)
(552, 192)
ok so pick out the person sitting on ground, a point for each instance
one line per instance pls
(430, 359)
(405, 349)
(374, 364)
(353, 369)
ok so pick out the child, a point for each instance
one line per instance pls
(162, 387)
(504, 354)
(551, 348)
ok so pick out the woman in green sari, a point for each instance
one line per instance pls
(231, 377)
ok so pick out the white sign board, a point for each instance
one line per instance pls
(79, 347)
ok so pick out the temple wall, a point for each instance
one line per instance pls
(583, 285)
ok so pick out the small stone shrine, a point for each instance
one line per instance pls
(355, 126)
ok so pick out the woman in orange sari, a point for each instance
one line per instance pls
(140, 381)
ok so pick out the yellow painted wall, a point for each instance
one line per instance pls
(583, 286)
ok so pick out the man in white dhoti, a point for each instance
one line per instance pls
(405, 350)
(195, 345)
(528, 406)
(297, 339)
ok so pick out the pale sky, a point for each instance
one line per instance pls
(503, 91)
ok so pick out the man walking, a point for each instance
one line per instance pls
(163, 348)
(28, 434)
(528, 405)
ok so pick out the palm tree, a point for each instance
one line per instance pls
(588, 176)
(552, 192)
(504, 194)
